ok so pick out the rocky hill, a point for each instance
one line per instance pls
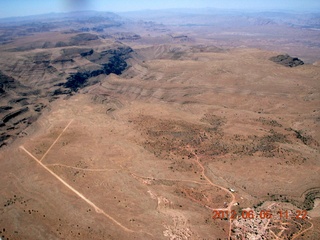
(19, 107)
(43, 59)
(287, 61)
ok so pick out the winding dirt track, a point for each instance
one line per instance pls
(302, 232)
(100, 211)
(215, 185)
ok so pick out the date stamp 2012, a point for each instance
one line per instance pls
(263, 214)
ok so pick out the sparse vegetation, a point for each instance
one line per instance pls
(122, 128)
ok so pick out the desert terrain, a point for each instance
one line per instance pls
(145, 126)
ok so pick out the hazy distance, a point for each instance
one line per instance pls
(14, 8)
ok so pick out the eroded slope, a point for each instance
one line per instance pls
(158, 152)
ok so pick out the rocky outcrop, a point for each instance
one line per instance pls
(287, 61)
(86, 53)
(30, 80)
(6, 82)
(12, 115)
(78, 80)
(19, 107)
(62, 60)
(123, 36)
(3, 138)
(83, 38)
(111, 61)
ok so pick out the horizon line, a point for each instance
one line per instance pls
(310, 11)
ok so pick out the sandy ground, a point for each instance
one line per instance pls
(151, 157)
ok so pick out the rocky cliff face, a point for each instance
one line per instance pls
(109, 61)
(30, 80)
(19, 107)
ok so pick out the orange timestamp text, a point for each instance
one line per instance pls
(263, 214)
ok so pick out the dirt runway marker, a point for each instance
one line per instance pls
(97, 209)
(44, 155)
